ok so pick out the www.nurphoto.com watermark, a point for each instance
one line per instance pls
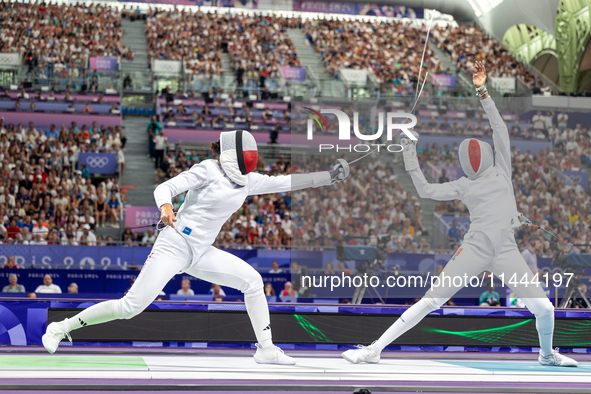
(432, 281)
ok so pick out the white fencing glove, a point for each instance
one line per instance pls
(340, 171)
(409, 152)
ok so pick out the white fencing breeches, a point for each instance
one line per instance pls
(472, 258)
(171, 255)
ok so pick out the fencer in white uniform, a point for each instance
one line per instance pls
(489, 244)
(215, 191)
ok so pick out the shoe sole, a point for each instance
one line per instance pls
(43, 340)
(563, 366)
(358, 362)
(265, 361)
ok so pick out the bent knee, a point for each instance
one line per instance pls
(434, 303)
(130, 309)
(253, 283)
(544, 308)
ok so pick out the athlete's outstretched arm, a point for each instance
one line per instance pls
(499, 128)
(437, 191)
(186, 180)
(261, 184)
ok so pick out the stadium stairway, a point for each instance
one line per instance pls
(313, 60)
(139, 170)
(135, 38)
(442, 56)
(427, 205)
(228, 78)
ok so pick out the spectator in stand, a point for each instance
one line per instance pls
(185, 288)
(73, 288)
(288, 291)
(153, 129)
(48, 286)
(443, 178)
(149, 238)
(13, 286)
(159, 147)
(275, 268)
(216, 290)
(454, 235)
(10, 263)
(490, 296)
(268, 289)
(114, 209)
(31, 295)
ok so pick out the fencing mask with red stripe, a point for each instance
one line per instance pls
(238, 155)
(475, 157)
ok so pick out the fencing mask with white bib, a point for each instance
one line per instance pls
(475, 157)
(238, 155)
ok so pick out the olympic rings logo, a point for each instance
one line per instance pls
(97, 161)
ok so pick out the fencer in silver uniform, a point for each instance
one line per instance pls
(215, 190)
(489, 244)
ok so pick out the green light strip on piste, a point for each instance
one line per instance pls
(314, 332)
(489, 335)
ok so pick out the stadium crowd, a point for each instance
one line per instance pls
(466, 44)
(45, 197)
(60, 37)
(257, 45)
(391, 49)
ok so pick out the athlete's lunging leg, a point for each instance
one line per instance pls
(489, 244)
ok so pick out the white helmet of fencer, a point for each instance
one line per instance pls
(475, 157)
(239, 155)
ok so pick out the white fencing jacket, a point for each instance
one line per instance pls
(490, 198)
(212, 198)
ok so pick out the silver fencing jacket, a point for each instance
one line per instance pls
(212, 198)
(490, 198)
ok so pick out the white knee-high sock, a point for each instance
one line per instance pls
(96, 314)
(405, 322)
(258, 312)
(545, 327)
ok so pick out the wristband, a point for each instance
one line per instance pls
(481, 91)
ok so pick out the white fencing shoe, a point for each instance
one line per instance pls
(272, 355)
(556, 359)
(363, 354)
(53, 336)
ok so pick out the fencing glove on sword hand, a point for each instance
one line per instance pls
(409, 152)
(239, 155)
(340, 171)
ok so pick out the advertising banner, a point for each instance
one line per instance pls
(444, 81)
(294, 74)
(103, 64)
(582, 177)
(166, 66)
(141, 216)
(354, 75)
(99, 163)
(9, 59)
(503, 84)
